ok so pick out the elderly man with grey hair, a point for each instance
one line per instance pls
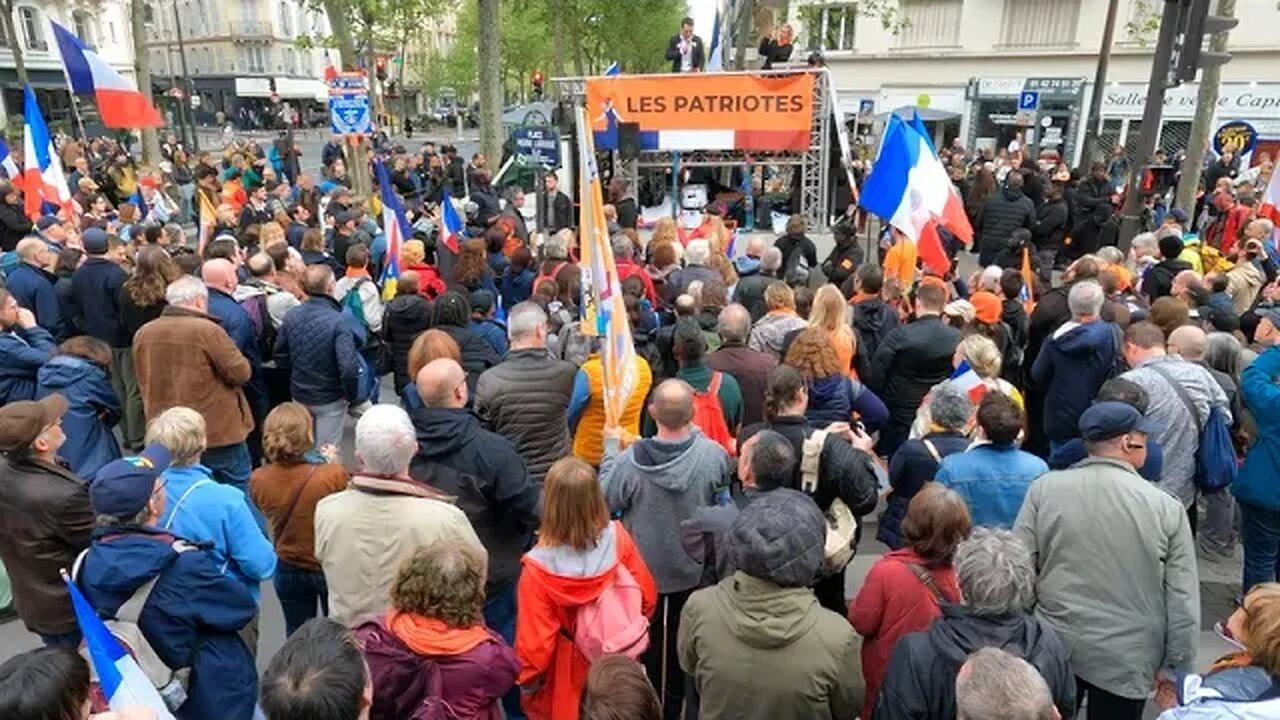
(749, 292)
(994, 685)
(1074, 362)
(696, 256)
(364, 533)
(1115, 565)
(997, 581)
(525, 398)
(749, 367)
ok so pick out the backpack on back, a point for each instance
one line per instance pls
(416, 681)
(708, 415)
(1216, 465)
(842, 526)
(614, 622)
(171, 683)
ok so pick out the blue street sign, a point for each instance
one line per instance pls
(350, 114)
(866, 107)
(1029, 100)
(539, 144)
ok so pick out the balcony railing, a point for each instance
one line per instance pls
(250, 29)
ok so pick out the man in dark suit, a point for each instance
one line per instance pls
(556, 211)
(686, 51)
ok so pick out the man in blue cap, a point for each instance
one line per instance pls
(192, 613)
(1115, 565)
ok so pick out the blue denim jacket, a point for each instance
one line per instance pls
(992, 479)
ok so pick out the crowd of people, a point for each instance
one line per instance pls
(1048, 460)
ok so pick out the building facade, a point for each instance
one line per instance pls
(101, 24)
(430, 46)
(967, 62)
(242, 57)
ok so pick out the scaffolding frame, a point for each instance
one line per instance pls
(814, 162)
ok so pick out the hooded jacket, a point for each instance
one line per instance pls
(95, 286)
(33, 288)
(909, 469)
(525, 399)
(921, 683)
(405, 318)
(23, 351)
(192, 618)
(1070, 368)
(911, 360)
(1256, 484)
(1158, 282)
(654, 485)
(556, 582)
(1003, 213)
(484, 472)
(92, 410)
(1241, 693)
(477, 354)
(873, 318)
(749, 292)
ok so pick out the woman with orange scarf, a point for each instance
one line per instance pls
(433, 646)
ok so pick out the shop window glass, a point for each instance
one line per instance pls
(930, 23)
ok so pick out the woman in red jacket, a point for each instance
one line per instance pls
(576, 559)
(904, 589)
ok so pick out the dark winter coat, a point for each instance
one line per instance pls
(911, 360)
(910, 468)
(517, 286)
(771, 51)
(793, 248)
(843, 471)
(751, 369)
(921, 680)
(92, 410)
(95, 288)
(1070, 368)
(842, 262)
(403, 320)
(1003, 213)
(45, 521)
(483, 470)
(22, 353)
(749, 293)
(33, 288)
(1052, 224)
(697, 55)
(1158, 281)
(526, 399)
(835, 399)
(14, 226)
(133, 316)
(477, 354)
(317, 341)
(873, 320)
(192, 618)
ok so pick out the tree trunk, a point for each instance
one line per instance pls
(741, 35)
(1202, 124)
(490, 75)
(15, 44)
(357, 153)
(557, 42)
(142, 69)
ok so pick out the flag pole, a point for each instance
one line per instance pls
(71, 91)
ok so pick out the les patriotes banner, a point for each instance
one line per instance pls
(703, 111)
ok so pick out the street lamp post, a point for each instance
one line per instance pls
(187, 85)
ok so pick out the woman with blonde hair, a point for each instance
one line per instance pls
(979, 352)
(833, 396)
(286, 490)
(664, 230)
(1242, 684)
(580, 553)
(413, 256)
(828, 313)
(436, 625)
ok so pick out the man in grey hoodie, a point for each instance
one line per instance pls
(655, 485)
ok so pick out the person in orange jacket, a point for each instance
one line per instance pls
(575, 560)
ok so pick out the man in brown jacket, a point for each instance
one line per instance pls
(185, 358)
(45, 520)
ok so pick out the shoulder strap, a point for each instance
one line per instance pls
(713, 387)
(810, 460)
(933, 450)
(178, 505)
(278, 527)
(926, 578)
(1182, 394)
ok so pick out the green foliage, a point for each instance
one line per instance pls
(1144, 23)
(378, 24)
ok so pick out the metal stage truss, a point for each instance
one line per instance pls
(814, 163)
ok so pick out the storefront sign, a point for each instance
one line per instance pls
(1235, 100)
(1238, 137)
(704, 111)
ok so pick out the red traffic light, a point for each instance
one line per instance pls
(382, 63)
(537, 77)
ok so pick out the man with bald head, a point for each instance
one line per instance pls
(749, 367)
(655, 485)
(31, 284)
(317, 344)
(457, 456)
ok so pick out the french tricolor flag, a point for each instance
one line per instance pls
(967, 380)
(42, 179)
(123, 683)
(450, 224)
(910, 188)
(120, 104)
(8, 164)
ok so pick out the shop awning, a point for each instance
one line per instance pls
(253, 87)
(906, 112)
(301, 89)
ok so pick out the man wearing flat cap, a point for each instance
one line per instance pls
(1115, 565)
(45, 518)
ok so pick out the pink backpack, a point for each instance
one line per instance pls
(614, 622)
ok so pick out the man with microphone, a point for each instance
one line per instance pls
(686, 51)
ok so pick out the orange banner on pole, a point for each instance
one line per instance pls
(704, 110)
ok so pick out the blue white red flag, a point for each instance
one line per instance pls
(120, 104)
(42, 179)
(9, 165)
(613, 69)
(968, 380)
(395, 227)
(123, 683)
(451, 226)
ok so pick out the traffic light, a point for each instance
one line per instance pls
(380, 68)
(1197, 24)
(537, 84)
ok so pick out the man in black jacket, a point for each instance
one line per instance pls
(749, 292)
(14, 224)
(845, 256)
(555, 212)
(1003, 213)
(685, 51)
(1092, 208)
(873, 319)
(1158, 281)
(1052, 222)
(911, 360)
(485, 473)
